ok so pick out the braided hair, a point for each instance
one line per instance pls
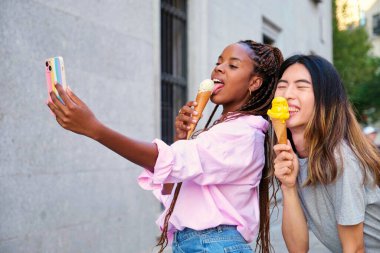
(266, 60)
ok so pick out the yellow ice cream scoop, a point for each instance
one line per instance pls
(279, 110)
(278, 114)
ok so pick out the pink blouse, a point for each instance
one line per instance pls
(220, 170)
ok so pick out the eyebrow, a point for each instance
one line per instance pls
(231, 59)
(297, 81)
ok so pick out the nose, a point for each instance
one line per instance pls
(219, 68)
(289, 92)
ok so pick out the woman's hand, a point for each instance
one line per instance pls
(74, 114)
(286, 165)
(184, 119)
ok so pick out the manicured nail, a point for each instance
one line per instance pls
(195, 113)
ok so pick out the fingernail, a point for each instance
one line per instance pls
(195, 113)
(194, 121)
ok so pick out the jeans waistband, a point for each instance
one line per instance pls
(189, 232)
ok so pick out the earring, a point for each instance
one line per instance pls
(250, 92)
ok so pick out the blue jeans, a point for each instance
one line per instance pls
(221, 239)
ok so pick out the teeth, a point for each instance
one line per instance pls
(293, 109)
(216, 80)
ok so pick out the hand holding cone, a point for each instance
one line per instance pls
(278, 114)
(204, 94)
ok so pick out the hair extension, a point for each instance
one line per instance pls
(163, 241)
(267, 61)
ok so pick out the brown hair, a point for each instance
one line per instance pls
(266, 60)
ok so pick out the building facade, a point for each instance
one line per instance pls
(373, 26)
(134, 63)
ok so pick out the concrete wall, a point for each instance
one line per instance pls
(60, 192)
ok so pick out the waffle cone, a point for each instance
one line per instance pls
(280, 130)
(201, 99)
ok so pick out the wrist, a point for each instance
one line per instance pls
(286, 189)
(95, 132)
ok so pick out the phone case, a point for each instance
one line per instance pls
(55, 73)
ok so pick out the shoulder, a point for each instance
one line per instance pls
(248, 122)
(347, 160)
(244, 128)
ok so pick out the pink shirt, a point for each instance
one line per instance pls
(220, 170)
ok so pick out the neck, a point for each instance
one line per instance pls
(299, 142)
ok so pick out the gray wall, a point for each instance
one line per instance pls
(60, 192)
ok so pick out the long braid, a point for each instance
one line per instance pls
(163, 241)
(267, 61)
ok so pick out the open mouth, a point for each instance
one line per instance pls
(218, 85)
(293, 110)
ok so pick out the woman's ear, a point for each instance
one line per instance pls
(255, 83)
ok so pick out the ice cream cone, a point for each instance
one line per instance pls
(278, 114)
(279, 126)
(202, 99)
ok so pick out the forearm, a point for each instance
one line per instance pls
(352, 238)
(354, 249)
(141, 153)
(294, 226)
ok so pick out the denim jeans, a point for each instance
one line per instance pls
(221, 239)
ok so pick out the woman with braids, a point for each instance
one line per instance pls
(329, 171)
(232, 167)
(217, 208)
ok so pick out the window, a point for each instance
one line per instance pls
(271, 32)
(376, 24)
(267, 40)
(173, 64)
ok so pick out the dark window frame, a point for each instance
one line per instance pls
(376, 24)
(173, 63)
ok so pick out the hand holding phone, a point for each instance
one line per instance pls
(55, 73)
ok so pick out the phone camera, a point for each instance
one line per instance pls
(47, 63)
(49, 68)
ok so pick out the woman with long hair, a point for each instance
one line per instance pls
(329, 171)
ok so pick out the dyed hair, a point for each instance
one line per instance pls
(266, 61)
(333, 122)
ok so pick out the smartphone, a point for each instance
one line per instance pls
(55, 73)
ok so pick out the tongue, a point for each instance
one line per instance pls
(217, 86)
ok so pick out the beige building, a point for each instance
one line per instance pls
(353, 13)
(372, 15)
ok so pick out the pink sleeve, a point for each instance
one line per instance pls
(230, 152)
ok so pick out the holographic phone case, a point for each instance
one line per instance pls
(55, 73)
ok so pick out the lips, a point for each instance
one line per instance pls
(293, 109)
(218, 85)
